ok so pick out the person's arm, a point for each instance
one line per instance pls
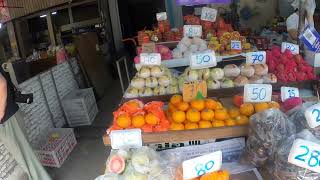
(3, 96)
(293, 33)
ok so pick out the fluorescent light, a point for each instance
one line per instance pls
(54, 13)
(0, 25)
(42, 16)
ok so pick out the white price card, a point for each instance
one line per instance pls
(289, 92)
(150, 59)
(202, 165)
(312, 115)
(258, 57)
(292, 47)
(209, 14)
(130, 138)
(192, 30)
(236, 45)
(203, 60)
(257, 93)
(305, 154)
(162, 16)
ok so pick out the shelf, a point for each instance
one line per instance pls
(190, 135)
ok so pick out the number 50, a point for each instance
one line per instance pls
(259, 93)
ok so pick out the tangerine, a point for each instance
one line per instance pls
(218, 123)
(259, 107)
(198, 104)
(152, 119)
(221, 114)
(219, 106)
(138, 121)
(176, 126)
(178, 116)
(210, 104)
(190, 125)
(183, 106)
(193, 115)
(205, 124)
(207, 115)
(247, 109)
(176, 99)
(242, 120)
(124, 121)
(171, 108)
(231, 122)
(274, 104)
(234, 112)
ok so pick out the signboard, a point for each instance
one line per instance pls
(292, 47)
(311, 38)
(150, 59)
(312, 115)
(236, 45)
(193, 90)
(257, 93)
(258, 57)
(192, 31)
(203, 60)
(198, 2)
(209, 14)
(130, 138)
(162, 16)
(289, 92)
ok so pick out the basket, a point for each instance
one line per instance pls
(58, 145)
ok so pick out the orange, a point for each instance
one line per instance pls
(205, 124)
(171, 108)
(193, 115)
(231, 122)
(242, 120)
(151, 119)
(218, 123)
(259, 107)
(210, 104)
(234, 112)
(138, 121)
(190, 125)
(247, 109)
(221, 114)
(274, 104)
(183, 106)
(198, 104)
(124, 121)
(176, 99)
(207, 115)
(178, 116)
(176, 126)
(133, 104)
(219, 106)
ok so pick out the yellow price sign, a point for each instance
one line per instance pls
(194, 90)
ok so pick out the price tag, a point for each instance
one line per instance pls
(312, 115)
(202, 165)
(305, 154)
(209, 14)
(258, 57)
(150, 59)
(192, 90)
(130, 138)
(257, 93)
(236, 45)
(162, 16)
(192, 30)
(292, 47)
(203, 60)
(148, 47)
(289, 92)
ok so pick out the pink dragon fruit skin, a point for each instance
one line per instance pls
(291, 103)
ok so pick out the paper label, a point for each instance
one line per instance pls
(130, 138)
(292, 47)
(209, 14)
(312, 115)
(150, 59)
(236, 45)
(192, 90)
(148, 47)
(289, 92)
(311, 39)
(192, 30)
(202, 165)
(257, 93)
(258, 57)
(203, 60)
(305, 154)
(162, 16)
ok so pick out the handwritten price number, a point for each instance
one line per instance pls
(289, 92)
(126, 138)
(292, 47)
(236, 45)
(257, 93)
(312, 115)
(150, 59)
(192, 31)
(256, 57)
(208, 14)
(162, 16)
(203, 60)
(203, 169)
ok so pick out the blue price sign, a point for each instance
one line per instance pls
(192, 30)
(258, 57)
(257, 93)
(305, 154)
(203, 60)
(292, 47)
(236, 45)
(150, 59)
(312, 115)
(311, 39)
(289, 92)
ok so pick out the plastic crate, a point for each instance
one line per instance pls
(57, 146)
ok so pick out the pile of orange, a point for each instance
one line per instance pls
(249, 109)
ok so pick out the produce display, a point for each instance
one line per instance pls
(217, 175)
(164, 51)
(189, 45)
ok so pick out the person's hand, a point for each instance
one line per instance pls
(3, 96)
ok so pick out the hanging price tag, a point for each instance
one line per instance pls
(193, 90)
(148, 47)
(289, 92)
(192, 30)
(150, 59)
(258, 57)
(236, 45)
(162, 16)
(130, 138)
(209, 14)
(305, 154)
(202, 165)
(311, 38)
(257, 93)
(312, 115)
(292, 47)
(203, 60)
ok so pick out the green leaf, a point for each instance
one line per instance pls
(199, 95)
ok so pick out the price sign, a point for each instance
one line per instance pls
(162, 16)
(148, 47)
(258, 57)
(192, 90)
(192, 30)
(292, 47)
(257, 93)
(305, 154)
(311, 38)
(289, 92)
(203, 60)
(209, 14)
(236, 45)
(150, 59)
(130, 138)
(202, 165)
(312, 115)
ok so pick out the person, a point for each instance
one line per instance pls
(12, 136)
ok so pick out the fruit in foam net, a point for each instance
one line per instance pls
(213, 84)
(151, 119)
(138, 121)
(124, 121)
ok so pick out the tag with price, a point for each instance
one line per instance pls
(312, 115)
(202, 165)
(236, 45)
(209, 14)
(192, 30)
(162, 16)
(292, 47)
(203, 60)
(130, 138)
(305, 154)
(150, 59)
(257, 93)
(191, 90)
(311, 38)
(258, 57)
(289, 92)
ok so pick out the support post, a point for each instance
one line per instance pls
(50, 30)
(13, 39)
